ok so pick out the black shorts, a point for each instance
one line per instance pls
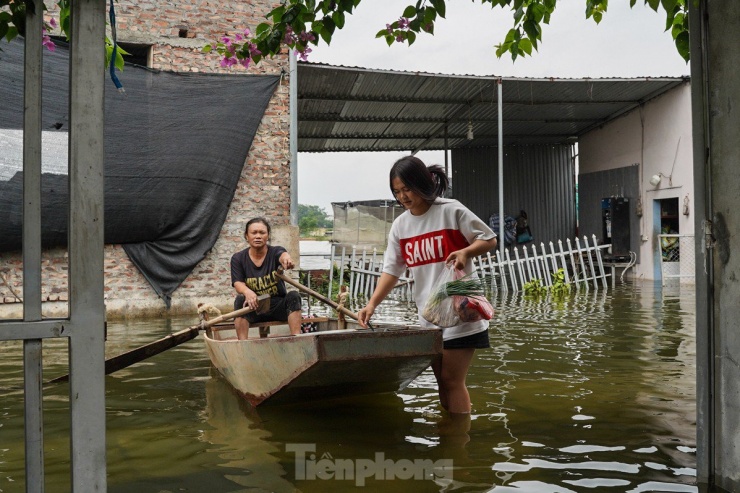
(479, 340)
(280, 308)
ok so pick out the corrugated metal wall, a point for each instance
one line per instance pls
(592, 187)
(538, 179)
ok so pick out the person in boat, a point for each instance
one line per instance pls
(458, 236)
(253, 274)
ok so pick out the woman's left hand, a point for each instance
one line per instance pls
(286, 261)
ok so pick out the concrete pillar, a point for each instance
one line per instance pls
(716, 110)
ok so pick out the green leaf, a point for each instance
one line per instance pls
(5, 16)
(347, 6)
(329, 26)
(277, 14)
(206, 49)
(682, 45)
(389, 39)
(338, 18)
(381, 33)
(440, 7)
(11, 34)
(411, 37)
(292, 14)
(518, 15)
(532, 29)
(510, 36)
(597, 17)
(668, 5)
(632, 3)
(409, 12)
(262, 30)
(526, 46)
(429, 15)
(119, 61)
(654, 4)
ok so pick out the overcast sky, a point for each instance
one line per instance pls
(627, 43)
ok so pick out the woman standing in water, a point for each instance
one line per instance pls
(457, 235)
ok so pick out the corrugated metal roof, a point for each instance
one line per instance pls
(356, 109)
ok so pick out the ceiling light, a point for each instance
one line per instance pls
(655, 180)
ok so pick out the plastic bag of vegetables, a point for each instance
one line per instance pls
(456, 297)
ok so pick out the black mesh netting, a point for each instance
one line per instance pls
(175, 145)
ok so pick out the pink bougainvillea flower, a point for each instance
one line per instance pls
(46, 41)
(253, 51)
(247, 32)
(306, 37)
(238, 37)
(399, 38)
(245, 62)
(403, 23)
(53, 23)
(228, 61)
(389, 28)
(303, 55)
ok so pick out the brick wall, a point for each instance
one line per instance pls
(263, 188)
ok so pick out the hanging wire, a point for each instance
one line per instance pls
(112, 65)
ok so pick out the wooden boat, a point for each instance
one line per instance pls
(326, 363)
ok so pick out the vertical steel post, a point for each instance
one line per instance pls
(32, 361)
(87, 308)
(293, 105)
(501, 216)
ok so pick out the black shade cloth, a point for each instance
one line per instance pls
(175, 145)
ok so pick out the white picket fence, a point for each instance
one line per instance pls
(582, 264)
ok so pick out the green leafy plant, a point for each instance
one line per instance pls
(534, 288)
(559, 288)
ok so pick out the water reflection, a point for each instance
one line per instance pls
(592, 393)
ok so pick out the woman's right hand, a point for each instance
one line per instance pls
(365, 314)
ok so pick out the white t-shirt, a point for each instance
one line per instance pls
(423, 243)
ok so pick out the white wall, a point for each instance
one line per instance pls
(657, 136)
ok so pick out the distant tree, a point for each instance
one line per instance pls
(311, 218)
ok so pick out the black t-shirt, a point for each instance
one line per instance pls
(261, 280)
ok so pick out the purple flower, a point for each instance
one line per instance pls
(403, 23)
(399, 38)
(238, 37)
(389, 28)
(253, 51)
(46, 41)
(228, 61)
(245, 62)
(306, 37)
(247, 32)
(53, 23)
(303, 55)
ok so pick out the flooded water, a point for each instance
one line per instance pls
(592, 394)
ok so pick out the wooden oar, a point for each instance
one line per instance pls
(161, 345)
(319, 296)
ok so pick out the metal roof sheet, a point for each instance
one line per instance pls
(356, 109)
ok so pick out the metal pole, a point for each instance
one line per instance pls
(447, 150)
(32, 362)
(87, 307)
(499, 100)
(293, 105)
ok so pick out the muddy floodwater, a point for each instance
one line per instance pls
(592, 394)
